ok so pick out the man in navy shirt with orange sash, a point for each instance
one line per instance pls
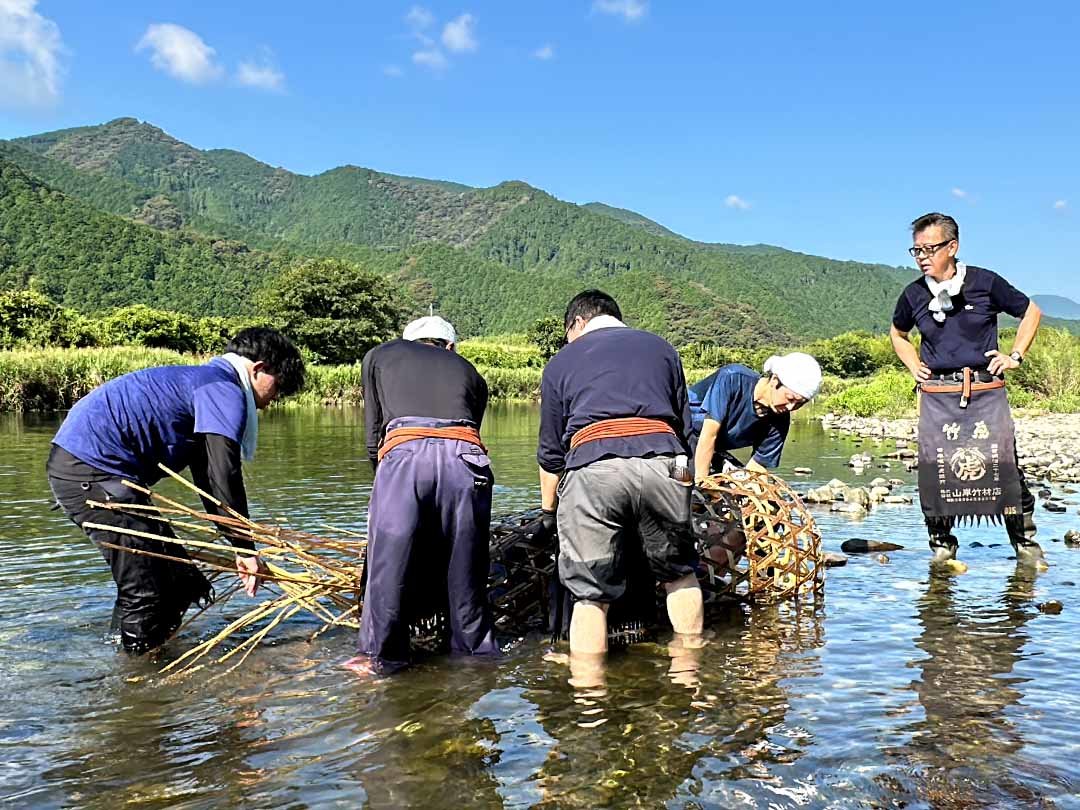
(967, 451)
(202, 417)
(614, 468)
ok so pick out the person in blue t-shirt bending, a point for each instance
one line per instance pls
(199, 416)
(736, 407)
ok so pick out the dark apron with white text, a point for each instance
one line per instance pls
(967, 459)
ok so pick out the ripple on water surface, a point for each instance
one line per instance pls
(901, 689)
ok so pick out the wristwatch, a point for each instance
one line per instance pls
(1019, 358)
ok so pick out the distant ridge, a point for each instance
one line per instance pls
(1058, 306)
(492, 259)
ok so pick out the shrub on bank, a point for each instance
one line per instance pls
(889, 393)
(1051, 370)
(329, 385)
(496, 355)
(512, 383)
(53, 379)
(854, 354)
(30, 319)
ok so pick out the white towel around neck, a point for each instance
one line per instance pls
(601, 322)
(943, 291)
(251, 423)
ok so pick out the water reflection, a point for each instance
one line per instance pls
(950, 693)
(966, 749)
(665, 723)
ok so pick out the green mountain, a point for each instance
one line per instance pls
(1058, 306)
(89, 259)
(491, 257)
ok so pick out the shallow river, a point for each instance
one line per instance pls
(902, 690)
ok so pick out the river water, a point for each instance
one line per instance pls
(903, 690)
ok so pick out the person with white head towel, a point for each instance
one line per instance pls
(430, 510)
(736, 407)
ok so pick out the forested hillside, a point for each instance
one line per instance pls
(85, 258)
(491, 258)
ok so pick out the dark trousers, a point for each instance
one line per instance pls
(1020, 528)
(151, 594)
(428, 535)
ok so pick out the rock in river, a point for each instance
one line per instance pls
(897, 499)
(833, 559)
(1054, 506)
(859, 495)
(1051, 606)
(1072, 538)
(802, 471)
(858, 545)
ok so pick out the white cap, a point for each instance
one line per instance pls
(798, 371)
(430, 327)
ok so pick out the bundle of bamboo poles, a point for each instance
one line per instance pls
(303, 571)
(772, 543)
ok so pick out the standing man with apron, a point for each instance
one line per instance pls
(430, 511)
(968, 466)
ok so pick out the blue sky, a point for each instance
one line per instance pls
(823, 128)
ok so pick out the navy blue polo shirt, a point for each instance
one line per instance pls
(727, 395)
(970, 329)
(607, 374)
(129, 424)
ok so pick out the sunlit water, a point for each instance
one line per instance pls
(903, 690)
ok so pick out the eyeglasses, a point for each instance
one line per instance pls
(926, 250)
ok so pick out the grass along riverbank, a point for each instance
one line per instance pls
(862, 378)
(54, 379)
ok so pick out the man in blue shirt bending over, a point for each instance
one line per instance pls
(736, 407)
(198, 416)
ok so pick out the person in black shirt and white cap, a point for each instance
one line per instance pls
(968, 467)
(430, 510)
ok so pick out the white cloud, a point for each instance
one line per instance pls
(261, 74)
(1060, 205)
(458, 35)
(432, 58)
(959, 193)
(393, 71)
(545, 53)
(629, 10)
(180, 52)
(736, 202)
(419, 18)
(30, 49)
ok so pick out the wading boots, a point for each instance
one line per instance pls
(1021, 529)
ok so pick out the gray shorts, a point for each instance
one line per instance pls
(611, 503)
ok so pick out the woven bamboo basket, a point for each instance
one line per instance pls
(770, 551)
(777, 553)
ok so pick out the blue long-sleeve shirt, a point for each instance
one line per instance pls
(608, 374)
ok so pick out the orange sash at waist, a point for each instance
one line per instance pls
(399, 436)
(964, 388)
(620, 428)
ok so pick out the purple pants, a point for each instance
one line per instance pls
(428, 534)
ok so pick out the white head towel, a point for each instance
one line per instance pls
(430, 327)
(798, 371)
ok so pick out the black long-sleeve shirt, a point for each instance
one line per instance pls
(408, 378)
(607, 374)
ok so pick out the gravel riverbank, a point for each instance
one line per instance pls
(1048, 445)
